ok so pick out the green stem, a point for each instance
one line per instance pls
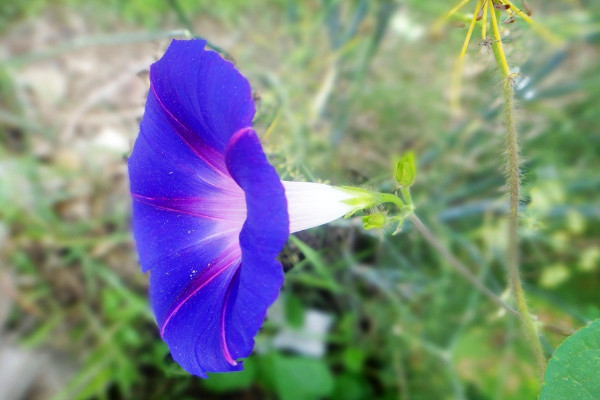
(390, 198)
(514, 187)
(512, 253)
(407, 197)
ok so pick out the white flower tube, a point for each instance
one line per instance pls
(313, 204)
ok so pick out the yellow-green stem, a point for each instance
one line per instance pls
(497, 47)
(458, 67)
(437, 25)
(406, 196)
(484, 21)
(514, 183)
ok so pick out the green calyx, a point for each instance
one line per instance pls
(374, 221)
(365, 200)
(362, 199)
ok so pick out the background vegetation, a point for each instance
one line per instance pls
(342, 88)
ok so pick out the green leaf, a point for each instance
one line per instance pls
(231, 381)
(574, 370)
(406, 170)
(294, 311)
(351, 387)
(298, 378)
(354, 357)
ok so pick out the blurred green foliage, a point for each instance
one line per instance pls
(345, 87)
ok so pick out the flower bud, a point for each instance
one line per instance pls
(406, 170)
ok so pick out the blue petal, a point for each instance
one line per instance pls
(212, 317)
(167, 178)
(197, 175)
(163, 165)
(190, 310)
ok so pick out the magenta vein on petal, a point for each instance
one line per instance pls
(149, 201)
(224, 347)
(217, 169)
(180, 304)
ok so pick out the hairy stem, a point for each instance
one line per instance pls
(514, 186)
(457, 265)
(512, 252)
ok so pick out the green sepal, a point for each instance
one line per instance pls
(399, 219)
(374, 221)
(361, 200)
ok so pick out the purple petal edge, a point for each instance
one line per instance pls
(202, 92)
(263, 236)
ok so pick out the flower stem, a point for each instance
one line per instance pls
(514, 183)
(390, 198)
(407, 197)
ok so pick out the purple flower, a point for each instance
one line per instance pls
(210, 214)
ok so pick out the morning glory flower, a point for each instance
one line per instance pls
(210, 214)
